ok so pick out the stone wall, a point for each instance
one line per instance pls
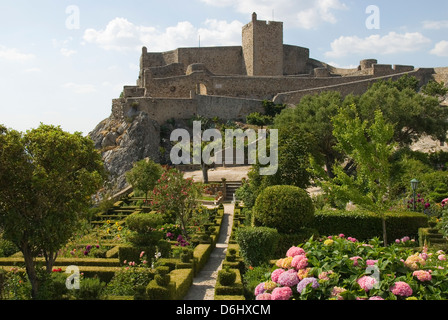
(163, 109)
(355, 87)
(295, 60)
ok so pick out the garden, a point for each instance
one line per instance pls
(377, 229)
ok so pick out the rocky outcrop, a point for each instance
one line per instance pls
(122, 142)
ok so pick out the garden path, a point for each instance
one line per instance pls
(203, 287)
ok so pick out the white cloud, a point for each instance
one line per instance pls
(122, 35)
(62, 46)
(440, 49)
(79, 88)
(391, 43)
(33, 70)
(435, 25)
(299, 13)
(67, 52)
(14, 55)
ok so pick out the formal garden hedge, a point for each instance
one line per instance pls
(116, 263)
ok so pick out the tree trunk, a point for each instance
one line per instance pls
(30, 269)
(205, 172)
(384, 230)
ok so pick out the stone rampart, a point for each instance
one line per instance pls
(355, 87)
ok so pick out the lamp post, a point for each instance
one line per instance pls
(414, 185)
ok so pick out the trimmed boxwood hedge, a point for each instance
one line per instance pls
(365, 225)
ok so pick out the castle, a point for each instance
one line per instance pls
(232, 81)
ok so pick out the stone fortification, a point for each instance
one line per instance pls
(227, 82)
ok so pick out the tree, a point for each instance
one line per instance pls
(176, 197)
(47, 178)
(144, 175)
(313, 116)
(412, 114)
(294, 148)
(370, 146)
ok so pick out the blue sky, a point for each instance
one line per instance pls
(62, 62)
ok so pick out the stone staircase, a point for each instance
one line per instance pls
(231, 187)
(435, 238)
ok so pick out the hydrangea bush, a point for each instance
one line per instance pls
(342, 268)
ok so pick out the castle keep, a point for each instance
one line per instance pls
(231, 82)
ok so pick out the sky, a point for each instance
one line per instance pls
(62, 62)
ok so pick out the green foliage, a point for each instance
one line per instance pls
(253, 276)
(127, 280)
(258, 119)
(176, 197)
(369, 146)
(47, 179)
(144, 175)
(246, 193)
(411, 113)
(144, 228)
(364, 225)
(285, 208)
(257, 244)
(313, 116)
(434, 88)
(90, 289)
(294, 148)
(226, 277)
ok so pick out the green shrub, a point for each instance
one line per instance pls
(52, 286)
(126, 282)
(90, 289)
(226, 277)
(157, 292)
(162, 279)
(257, 244)
(285, 208)
(142, 227)
(7, 248)
(365, 225)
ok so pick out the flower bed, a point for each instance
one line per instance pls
(340, 268)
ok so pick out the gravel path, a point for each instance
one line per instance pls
(203, 287)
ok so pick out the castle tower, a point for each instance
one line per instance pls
(263, 47)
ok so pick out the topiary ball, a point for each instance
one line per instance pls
(285, 208)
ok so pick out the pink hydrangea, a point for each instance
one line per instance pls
(336, 293)
(264, 296)
(414, 261)
(276, 273)
(441, 257)
(325, 275)
(281, 293)
(402, 289)
(294, 251)
(299, 262)
(355, 260)
(303, 283)
(422, 275)
(367, 283)
(376, 298)
(259, 289)
(288, 278)
(371, 262)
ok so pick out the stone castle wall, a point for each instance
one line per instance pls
(164, 109)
